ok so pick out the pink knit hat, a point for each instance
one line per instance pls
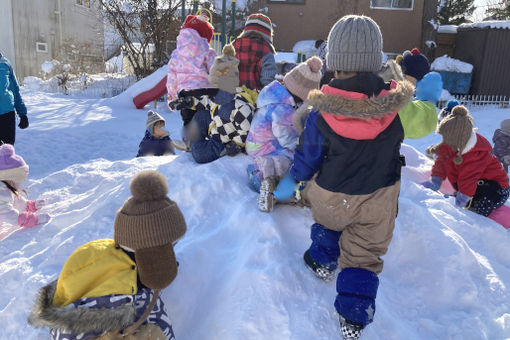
(304, 77)
(12, 166)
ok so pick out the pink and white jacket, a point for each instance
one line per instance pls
(189, 64)
(15, 210)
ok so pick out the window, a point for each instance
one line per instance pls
(392, 4)
(41, 47)
(287, 1)
(84, 3)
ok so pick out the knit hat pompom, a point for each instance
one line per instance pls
(315, 64)
(148, 185)
(460, 111)
(6, 150)
(228, 50)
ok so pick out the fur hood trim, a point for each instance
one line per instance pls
(365, 107)
(77, 320)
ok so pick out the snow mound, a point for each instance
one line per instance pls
(448, 29)
(305, 46)
(488, 24)
(445, 63)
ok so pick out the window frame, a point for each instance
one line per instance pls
(393, 8)
(39, 44)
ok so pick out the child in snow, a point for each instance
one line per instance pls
(255, 51)
(109, 289)
(501, 141)
(156, 141)
(272, 137)
(10, 101)
(465, 158)
(349, 154)
(445, 111)
(190, 62)
(14, 208)
(419, 117)
(224, 73)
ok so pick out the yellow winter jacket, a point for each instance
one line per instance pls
(98, 268)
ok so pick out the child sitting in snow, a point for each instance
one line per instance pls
(14, 208)
(501, 141)
(465, 158)
(272, 137)
(156, 141)
(224, 73)
(190, 62)
(109, 289)
(445, 111)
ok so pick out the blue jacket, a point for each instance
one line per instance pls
(10, 97)
(151, 146)
(352, 140)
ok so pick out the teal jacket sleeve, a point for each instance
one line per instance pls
(20, 107)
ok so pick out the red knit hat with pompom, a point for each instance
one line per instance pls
(304, 77)
(200, 23)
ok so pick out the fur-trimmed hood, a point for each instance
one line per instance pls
(78, 320)
(358, 105)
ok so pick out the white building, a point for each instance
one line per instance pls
(33, 31)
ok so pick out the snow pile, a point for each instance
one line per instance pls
(488, 24)
(289, 57)
(241, 273)
(85, 85)
(305, 46)
(47, 66)
(445, 63)
(445, 95)
(448, 29)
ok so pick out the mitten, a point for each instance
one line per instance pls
(429, 88)
(232, 149)
(27, 219)
(461, 200)
(23, 121)
(433, 184)
(285, 189)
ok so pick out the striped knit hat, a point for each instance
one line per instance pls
(261, 24)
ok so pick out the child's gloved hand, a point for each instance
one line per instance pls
(433, 184)
(232, 149)
(461, 200)
(429, 88)
(286, 188)
(23, 121)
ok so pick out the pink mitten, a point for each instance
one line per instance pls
(31, 206)
(43, 218)
(27, 219)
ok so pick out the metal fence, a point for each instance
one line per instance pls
(216, 42)
(479, 100)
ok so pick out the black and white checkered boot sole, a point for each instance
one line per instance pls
(349, 331)
(323, 273)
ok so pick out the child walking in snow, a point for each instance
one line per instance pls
(465, 158)
(109, 289)
(349, 154)
(501, 141)
(190, 62)
(156, 141)
(15, 210)
(273, 137)
(255, 51)
(10, 101)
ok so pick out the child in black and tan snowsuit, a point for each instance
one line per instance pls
(109, 289)
(349, 153)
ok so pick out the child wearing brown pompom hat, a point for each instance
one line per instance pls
(465, 158)
(110, 288)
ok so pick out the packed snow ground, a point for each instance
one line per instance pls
(241, 274)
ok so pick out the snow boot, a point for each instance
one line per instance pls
(266, 198)
(322, 272)
(349, 330)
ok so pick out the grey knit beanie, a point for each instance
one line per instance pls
(355, 45)
(152, 118)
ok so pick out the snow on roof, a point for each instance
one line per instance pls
(490, 24)
(445, 63)
(451, 29)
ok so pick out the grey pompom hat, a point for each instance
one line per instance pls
(354, 45)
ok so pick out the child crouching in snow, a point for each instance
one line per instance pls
(156, 141)
(14, 208)
(465, 158)
(501, 141)
(273, 137)
(109, 289)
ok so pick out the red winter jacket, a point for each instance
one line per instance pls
(478, 163)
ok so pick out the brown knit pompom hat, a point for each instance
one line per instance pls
(456, 128)
(149, 223)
